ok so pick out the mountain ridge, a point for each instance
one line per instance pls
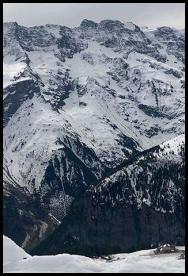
(139, 206)
(79, 101)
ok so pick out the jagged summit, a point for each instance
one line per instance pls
(111, 25)
(88, 24)
(108, 25)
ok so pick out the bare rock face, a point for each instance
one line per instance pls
(182, 256)
(25, 219)
(118, 230)
(166, 249)
(16, 94)
(88, 24)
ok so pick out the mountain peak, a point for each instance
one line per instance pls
(88, 24)
(130, 26)
(111, 25)
(10, 25)
(166, 29)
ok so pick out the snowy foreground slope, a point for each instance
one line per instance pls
(15, 260)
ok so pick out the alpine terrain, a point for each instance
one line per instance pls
(93, 137)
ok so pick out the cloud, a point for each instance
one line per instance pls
(71, 14)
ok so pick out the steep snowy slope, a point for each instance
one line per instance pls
(139, 206)
(12, 253)
(78, 102)
(16, 260)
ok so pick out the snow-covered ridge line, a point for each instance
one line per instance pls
(127, 24)
(171, 145)
(174, 143)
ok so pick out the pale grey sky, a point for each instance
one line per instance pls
(71, 14)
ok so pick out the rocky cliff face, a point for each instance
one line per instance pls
(25, 219)
(139, 206)
(78, 102)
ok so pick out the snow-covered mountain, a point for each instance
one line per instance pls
(78, 102)
(139, 206)
(16, 260)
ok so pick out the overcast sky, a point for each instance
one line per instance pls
(70, 14)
